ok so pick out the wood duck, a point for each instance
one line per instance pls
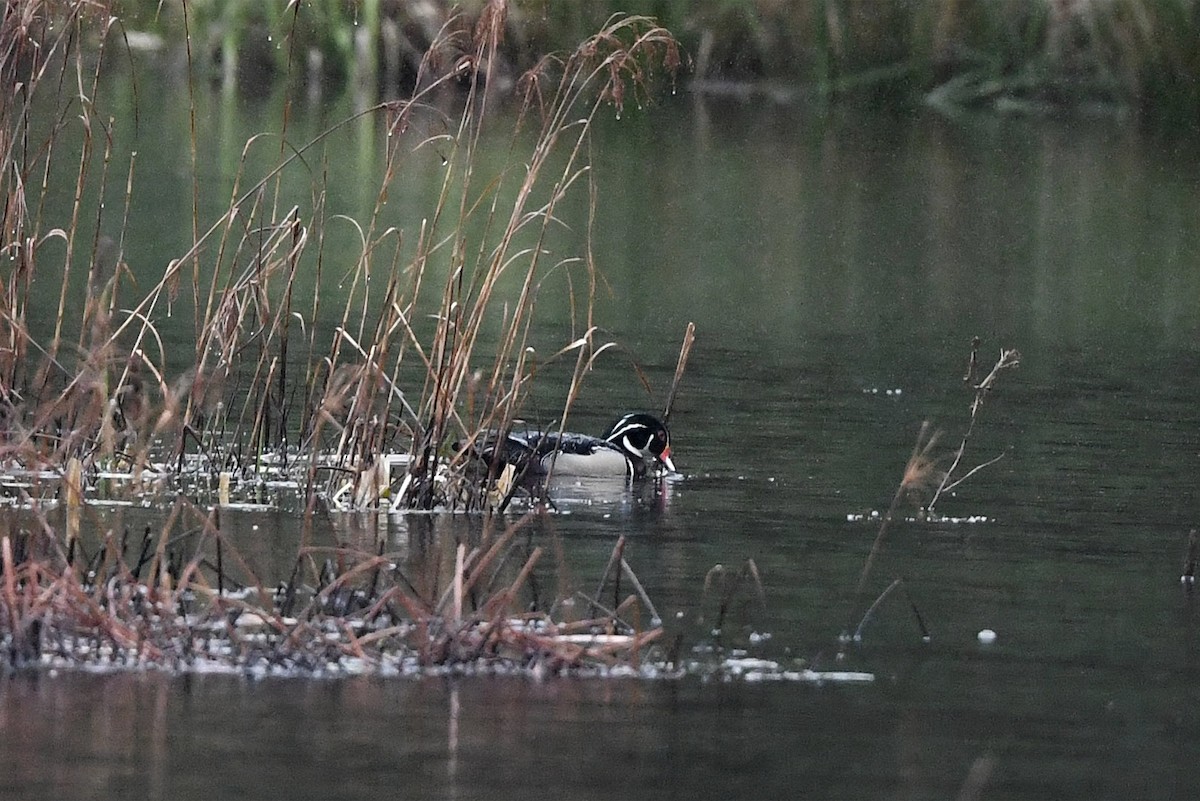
(632, 446)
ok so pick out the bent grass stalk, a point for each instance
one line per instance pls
(920, 474)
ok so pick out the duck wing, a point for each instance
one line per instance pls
(503, 449)
(583, 455)
(533, 451)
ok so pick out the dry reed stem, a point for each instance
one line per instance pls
(917, 472)
(73, 492)
(897, 584)
(1009, 359)
(729, 588)
(457, 608)
(614, 559)
(685, 350)
(921, 468)
(10, 584)
(637, 586)
(510, 594)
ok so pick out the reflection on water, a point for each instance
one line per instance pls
(822, 256)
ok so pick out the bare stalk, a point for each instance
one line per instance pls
(1009, 359)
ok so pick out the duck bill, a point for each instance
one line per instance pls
(665, 458)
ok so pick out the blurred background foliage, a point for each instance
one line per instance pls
(1141, 56)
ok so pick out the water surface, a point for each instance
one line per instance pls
(837, 266)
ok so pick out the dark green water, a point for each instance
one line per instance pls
(826, 259)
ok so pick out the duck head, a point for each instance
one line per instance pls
(644, 439)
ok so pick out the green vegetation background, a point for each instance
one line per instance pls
(1129, 55)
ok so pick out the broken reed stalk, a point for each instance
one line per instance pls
(10, 583)
(510, 594)
(917, 473)
(73, 496)
(689, 339)
(220, 554)
(459, 567)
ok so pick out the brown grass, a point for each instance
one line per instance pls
(265, 394)
(184, 599)
(267, 390)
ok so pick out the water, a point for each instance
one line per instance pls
(826, 259)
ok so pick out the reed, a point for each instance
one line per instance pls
(923, 478)
(1009, 359)
(189, 601)
(562, 98)
(268, 393)
(728, 583)
(357, 417)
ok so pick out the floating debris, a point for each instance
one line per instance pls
(874, 516)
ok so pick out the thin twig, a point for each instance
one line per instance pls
(1008, 359)
(950, 487)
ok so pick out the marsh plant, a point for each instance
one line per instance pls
(183, 598)
(927, 477)
(432, 344)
